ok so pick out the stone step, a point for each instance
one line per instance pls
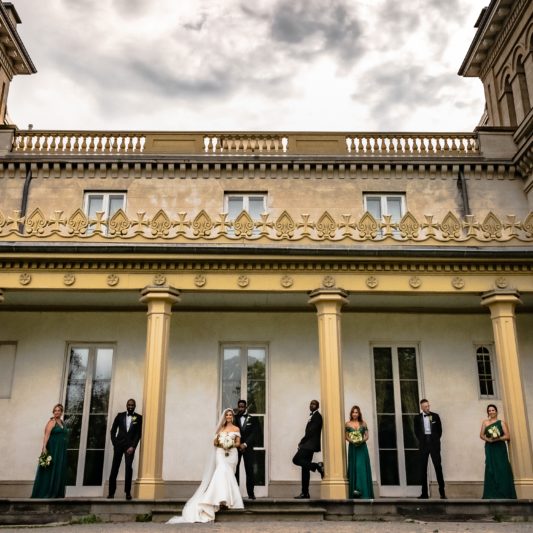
(253, 515)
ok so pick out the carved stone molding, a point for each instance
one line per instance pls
(372, 282)
(200, 280)
(501, 283)
(25, 278)
(112, 280)
(286, 282)
(243, 281)
(415, 282)
(458, 282)
(328, 282)
(159, 280)
(69, 279)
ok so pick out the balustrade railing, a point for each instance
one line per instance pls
(362, 144)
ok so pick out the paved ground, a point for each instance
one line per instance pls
(290, 527)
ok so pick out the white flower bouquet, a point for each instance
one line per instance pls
(227, 442)
(493, 432)
(355, 437)
(45, 460)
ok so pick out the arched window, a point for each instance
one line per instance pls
(508, 102)
(521, 85)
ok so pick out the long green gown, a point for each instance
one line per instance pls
(359, 471)
(50, 481)
(499, 482)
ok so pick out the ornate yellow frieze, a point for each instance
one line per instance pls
(190, 227)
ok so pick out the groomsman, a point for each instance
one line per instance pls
(308, 445)
(428, 431)
(125, 435)
(250, 434)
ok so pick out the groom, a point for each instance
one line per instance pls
(125, 435)
(250, 434)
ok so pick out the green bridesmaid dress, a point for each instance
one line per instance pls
(359, 471)
(499, 482)
(50, 481)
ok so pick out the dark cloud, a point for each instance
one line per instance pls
(311, 27)
(198, 25)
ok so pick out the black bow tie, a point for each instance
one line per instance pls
(426, 415)
(128, 414)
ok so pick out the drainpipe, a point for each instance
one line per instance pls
(461, 185)
(25, 194)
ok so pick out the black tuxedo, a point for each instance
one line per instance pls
(122, 440)
(308, 445)
(250, 436)
(429, 445)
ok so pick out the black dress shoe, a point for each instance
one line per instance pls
(320, 469)
(252, 497)
(110, 496)
(423, 497)
(128, 496)
(302, 496)
(443, 496)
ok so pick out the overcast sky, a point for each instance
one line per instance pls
(336, 65)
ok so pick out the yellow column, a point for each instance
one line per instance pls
(149, 484)
(328, 303)
(502, 310)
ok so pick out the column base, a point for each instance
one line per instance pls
(149, 489)
(333, 490)
(524, 489)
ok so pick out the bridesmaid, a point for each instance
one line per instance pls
(51, 480)
(359, 472)
(498, 483)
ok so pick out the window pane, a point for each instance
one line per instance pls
(235, 206)
(409, 395)
(95, 203)
(73, 424)
(104, 363)
(383, 363)
(100, 397)
(256, 363)
(373, 206)
(386, 431)
(74, 398)
(231, 377)
(256, 396)
(259, 467)
(256, 206)
(116, 202)
(260, 438)
(388, 464)
(407, 363)
(72, 466)
(394, 207)
(97, 431)
(79, 358)
(412, 467)
(409, 438)
(385, 397)
(94, 466)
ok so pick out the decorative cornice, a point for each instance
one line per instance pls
(202, 228)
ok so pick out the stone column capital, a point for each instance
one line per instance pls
(501, 302)
(320, 297)
(155, 293)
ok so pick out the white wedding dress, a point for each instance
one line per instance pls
(221, 488)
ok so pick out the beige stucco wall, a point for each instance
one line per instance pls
(426, 193)
(447, 371)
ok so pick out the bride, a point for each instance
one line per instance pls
(219, 488)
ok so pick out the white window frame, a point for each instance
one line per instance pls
(245, 200)
(493, 370)
(383, 197)
(106, 198)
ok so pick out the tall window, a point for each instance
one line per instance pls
(87, 391)
(485, 371)
(244, 376)
(107, 202)
(397, 397)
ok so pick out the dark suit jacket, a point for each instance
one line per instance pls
(250, 431)
(436, 429)
(122, 438)
(313, 430)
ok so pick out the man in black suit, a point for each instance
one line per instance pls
(308, 445)
(428, 431)
(250, 433)
(125, 435)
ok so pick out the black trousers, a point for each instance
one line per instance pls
(248, 456)
(303, 458)
(430, 449)
(128, 462)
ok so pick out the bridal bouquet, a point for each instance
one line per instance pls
(493, 432)
(226, 442)
(355, 437)
(45, 460)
